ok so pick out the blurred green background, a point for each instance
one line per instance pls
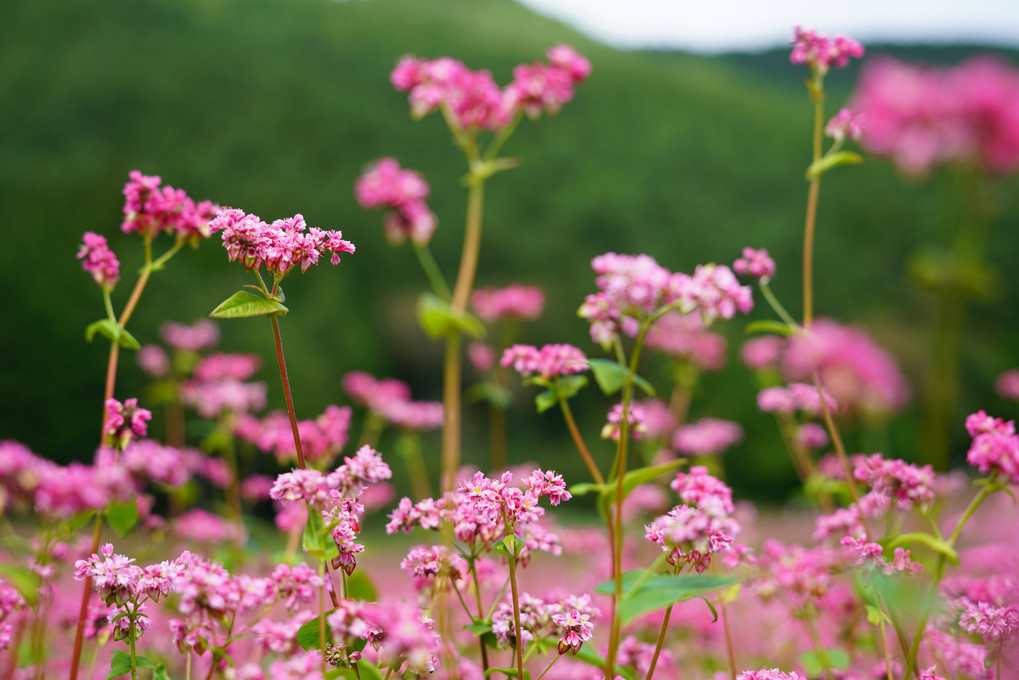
(274, 107)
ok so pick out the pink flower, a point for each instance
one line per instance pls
(714, 291)
(995, 446)
(686, 337)
(762, 353)
(98, 260)
(153, 360)
(373, 393)
(769, 674)
(845, 124)
(150, 208)
(565, 57)
(706, 437)
(549, 362)
(755, 263)
(1007, 385)
(201, 335)
(482, 356)
(515, 301)
(635, 419)
(126, 420)
(385, 185)
(820, 52)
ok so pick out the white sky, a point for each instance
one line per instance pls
(719, 25)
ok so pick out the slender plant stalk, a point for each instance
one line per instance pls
(516, 619)
(286, 390)
(579, 442)
(432, 271)
(730, 651)
(620, 470)
(549, 666)
(451, 384)
(817, 97)
(658, 645)
(481, 615)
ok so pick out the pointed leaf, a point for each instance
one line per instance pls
(545, 400)
(360, 587)
(113, 332)
(438, 318)
(123, 516)
(660, 590)
(120, 664)
(568, 386)
(827, 162)
(770, 327)
(308, 634)
(480, 628)
(244, 304)
(144, 662)
(610, 376)
(24, 580)
(314, 535)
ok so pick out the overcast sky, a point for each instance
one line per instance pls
(720, 25)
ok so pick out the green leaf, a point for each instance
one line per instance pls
(314, 535)
(160, 673)
(568, 386)
(439, 319)
(587, 487)
(936, 544)
(479, 628)
(770, 327)
(360, 587)
(508, 671)
(144, 662)
(78, 520)
(634, 478)
(545, 400)
(244, 304)
(24, 580)
(307, 635)
(508, 546)
(495, 394)
(610, 376)
(875, 616)
(120, 664)
(817, 661)
(661, 590)
(113, 332)
(829, 161)
(368, 671)
(123, 516)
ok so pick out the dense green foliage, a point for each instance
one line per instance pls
(275, 107)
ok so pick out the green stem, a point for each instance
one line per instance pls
(481, 611)
(777, 306)
(274, 320)
(817, 97)
(518, 633)
(620, 471)
(658, 645)
(549, 666)
(431, 269)
(130, 637)
(579, 441)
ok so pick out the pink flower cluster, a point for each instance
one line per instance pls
(923, 117)
(634, 287)
(427, 563)
(119, 580)
(794, 397)
(390, 398)
(201, 335)
(846, 124)
(515, 301)
(769, 674)
(995, 446)
(820, 52)
(702, 526)
(549, 362)
(385, 185)
(706, 437)
(322, 438)
(280, 246)
(484, 510)
(870, 554)
(151, 208)
(399, 632)
(995, 624)
(98, 260)
(148, 460)
(124, 421)
(1007, 385)
(635, 416)
(896, 481)
(755, 263)
(859, 374)
(218, 385)
(473, 101)
(569, 618)
(686, 338)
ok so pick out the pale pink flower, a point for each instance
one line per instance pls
(684, 336)
(384, 184)
(515, 301)
(201, 335)
(846, 124)
(551, 361)
(153, 360)
(1007, 385)
(755, 263)
(707, 437)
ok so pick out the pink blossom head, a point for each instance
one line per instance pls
(515, 301)
(201, 335)
(859, 374)
(684, 336)
(706, 437)
(98, 260)
(385, 185)
(755, 263)
(820, 52)
(763, 352)
(482, 356)
(151, 208)
(1007, 385)
(374, 393)
(995, 447)
(549, 362)
(846, 124)
(565, 57)
(124, 421)
(153, 360)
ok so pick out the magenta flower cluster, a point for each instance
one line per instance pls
(549, 362)
(515, 301)
(821, 52)
(473, 101)
(280, 246)
(98, 260)
(391, 399)
(995, 446)
(151, 208)
(384, 184)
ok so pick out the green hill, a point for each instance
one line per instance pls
(275, 107)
